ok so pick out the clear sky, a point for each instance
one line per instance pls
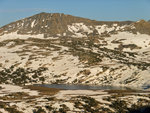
(105, 10)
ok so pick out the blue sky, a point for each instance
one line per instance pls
(105, 10)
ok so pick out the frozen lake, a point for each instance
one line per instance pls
(81, 87)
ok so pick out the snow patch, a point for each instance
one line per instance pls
(13, 89)
(32, 24)
(15, 35)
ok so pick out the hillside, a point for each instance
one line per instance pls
(59, 48)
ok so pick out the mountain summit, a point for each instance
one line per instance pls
(51, 24)
(48, 23)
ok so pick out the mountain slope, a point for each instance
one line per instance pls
(50, 23)
(58, 48)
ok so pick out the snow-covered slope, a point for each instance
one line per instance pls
(58, 48)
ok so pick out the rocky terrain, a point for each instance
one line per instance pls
(57, 48)
(33, 99)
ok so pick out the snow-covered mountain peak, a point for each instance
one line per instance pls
(51, 24)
